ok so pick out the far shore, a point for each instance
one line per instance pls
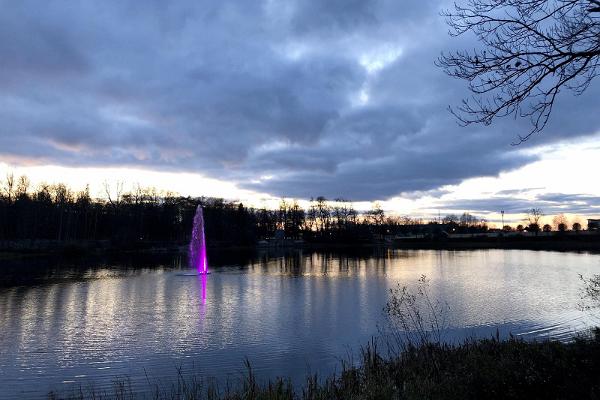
(550, 243)
(24, 248)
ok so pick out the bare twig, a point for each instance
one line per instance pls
(531, 50)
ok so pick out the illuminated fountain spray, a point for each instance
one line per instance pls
(198, 243)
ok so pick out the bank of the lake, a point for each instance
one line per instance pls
(475, 369)
(548, 243)
(586, 241)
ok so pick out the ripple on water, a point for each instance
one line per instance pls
(287, 316)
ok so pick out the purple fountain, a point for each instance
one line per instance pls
(198, 244)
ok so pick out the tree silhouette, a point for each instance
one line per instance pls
(534, 215)
(530, 51)
(520, 228)
(56, 215)
(560, 222)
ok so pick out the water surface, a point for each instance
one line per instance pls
(66, 323)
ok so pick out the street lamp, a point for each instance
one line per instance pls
(502, 212)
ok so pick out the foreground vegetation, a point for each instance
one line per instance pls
(483, 369)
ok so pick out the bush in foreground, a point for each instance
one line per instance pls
(474, 369)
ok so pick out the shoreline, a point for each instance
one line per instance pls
(588, 241)
(28, 248)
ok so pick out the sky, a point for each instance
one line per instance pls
(262, 100)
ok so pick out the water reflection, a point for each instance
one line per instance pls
(203, 278)
(91, 320)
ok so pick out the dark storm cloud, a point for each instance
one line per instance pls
(318, 16)
(296, 98)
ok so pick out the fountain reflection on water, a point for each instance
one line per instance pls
(202, 278)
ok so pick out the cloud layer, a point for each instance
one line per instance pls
(294, 98)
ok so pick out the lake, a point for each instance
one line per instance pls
(89, 322)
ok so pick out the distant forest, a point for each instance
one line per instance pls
(56, 212)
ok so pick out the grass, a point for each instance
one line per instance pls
(475, 369)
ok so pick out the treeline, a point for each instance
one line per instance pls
(56, 212)
(465, 223)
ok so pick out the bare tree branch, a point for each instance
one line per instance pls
(117, 195)
(531, 50)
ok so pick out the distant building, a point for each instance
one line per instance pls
(593, 224)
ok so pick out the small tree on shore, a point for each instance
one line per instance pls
(533, 216)
(547, 228)
(520, 228)
(562, 227)
(560, 222)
